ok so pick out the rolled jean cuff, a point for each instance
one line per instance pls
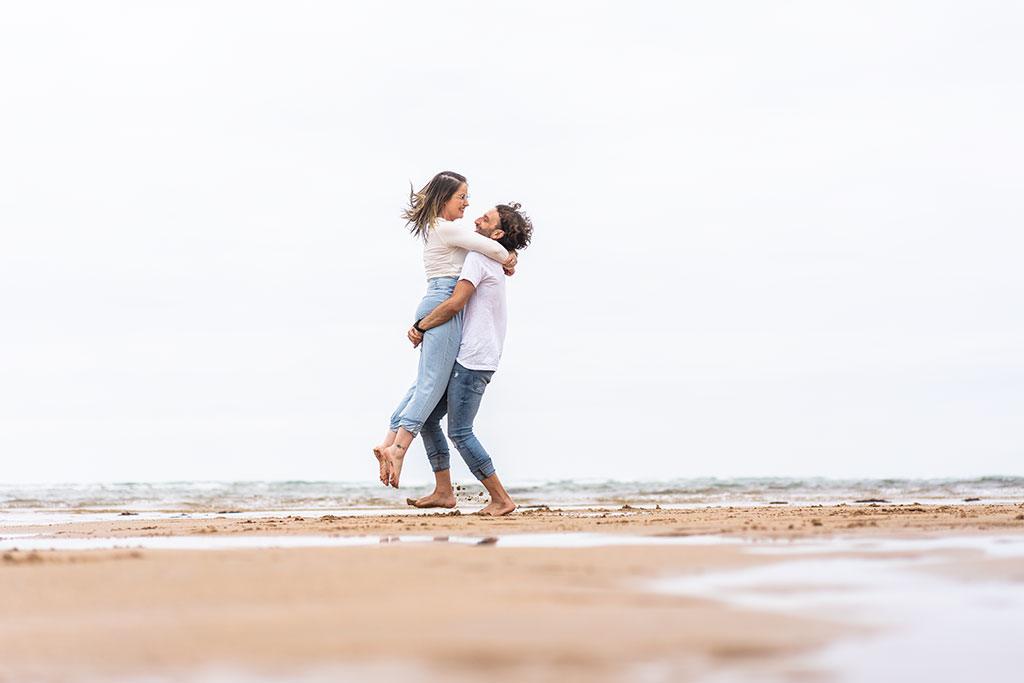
(440, 463)
(486, 470)
(410, 426)
(396, 417)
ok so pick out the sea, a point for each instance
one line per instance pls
(51, 503)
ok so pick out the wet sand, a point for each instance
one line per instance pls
(439, 611)
(774, 521)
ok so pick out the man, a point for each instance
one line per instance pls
(481, 292)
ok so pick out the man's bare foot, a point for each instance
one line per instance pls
(434, 500)
(394, 454)
(385, 469)
(498, 508)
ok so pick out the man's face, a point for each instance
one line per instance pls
(489, 223)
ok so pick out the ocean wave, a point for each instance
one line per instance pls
(214, 496)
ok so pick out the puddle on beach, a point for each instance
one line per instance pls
(922, 625)
(9, 542)
(1009, 546)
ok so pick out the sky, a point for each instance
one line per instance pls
(771, 238)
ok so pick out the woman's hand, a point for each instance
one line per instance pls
(510, 265)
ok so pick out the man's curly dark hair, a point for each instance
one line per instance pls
(517, 226)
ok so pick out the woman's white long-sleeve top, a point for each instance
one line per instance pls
(447, 243)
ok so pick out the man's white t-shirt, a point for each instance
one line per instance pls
(485, 315)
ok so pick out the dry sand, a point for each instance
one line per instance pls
(430, 611)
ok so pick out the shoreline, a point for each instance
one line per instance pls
(775, 521)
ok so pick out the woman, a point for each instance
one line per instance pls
(430, 214)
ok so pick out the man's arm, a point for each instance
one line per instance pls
(447, 309)
(444, 311)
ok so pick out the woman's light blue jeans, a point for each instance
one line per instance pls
(438, 350)
(465, 391)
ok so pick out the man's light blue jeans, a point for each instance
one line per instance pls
(465, 391)
(438, 350)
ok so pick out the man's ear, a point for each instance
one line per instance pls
(497, 234)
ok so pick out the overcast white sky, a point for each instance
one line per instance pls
(772, 238)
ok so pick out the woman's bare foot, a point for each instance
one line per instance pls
(394, 455)
(497, 508)
(434, 500)
(385, 470)
(378, 452)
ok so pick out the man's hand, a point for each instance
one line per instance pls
(510, 265)
(415, 337)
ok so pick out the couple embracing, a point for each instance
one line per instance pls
(460, 329)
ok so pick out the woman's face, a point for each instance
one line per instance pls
(456, 206)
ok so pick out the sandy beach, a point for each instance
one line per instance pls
(447, 596)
